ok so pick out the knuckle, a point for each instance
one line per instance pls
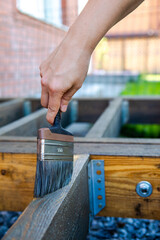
(51, 88)
(54, 87)
(52, 109)
(43, 82)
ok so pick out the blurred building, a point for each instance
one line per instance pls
(134, 43)
(29, 31)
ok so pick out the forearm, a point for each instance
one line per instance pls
(96, 19)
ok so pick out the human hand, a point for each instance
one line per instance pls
(62, 74)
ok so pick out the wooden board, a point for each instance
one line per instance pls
(11, 111)
(144, 110)
(122, 174)
(126, 164)
(26, 126)
(89, 110)
(17, 173)
(109, 123)
(61, 215)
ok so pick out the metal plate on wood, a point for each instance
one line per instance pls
(96, 186)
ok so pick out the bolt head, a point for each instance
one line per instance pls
(98, 164)
(100, 205)
(144, 189)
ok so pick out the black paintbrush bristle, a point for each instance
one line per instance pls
(51, 175)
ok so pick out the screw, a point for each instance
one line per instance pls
(144, 189)
(98, 164)
(99, 180)
(100, 205)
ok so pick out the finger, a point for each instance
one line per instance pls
(66, 98)
(44, 97)
(53, 106)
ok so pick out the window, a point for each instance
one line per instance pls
(49, 11)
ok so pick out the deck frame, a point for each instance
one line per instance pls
(121, 157)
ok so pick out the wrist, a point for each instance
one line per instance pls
(78, 39)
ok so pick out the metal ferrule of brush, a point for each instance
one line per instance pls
(57, 150)
(55, 142)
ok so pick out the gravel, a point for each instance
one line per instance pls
(124, 229)
(103, 227)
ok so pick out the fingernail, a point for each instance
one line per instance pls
(64, 108)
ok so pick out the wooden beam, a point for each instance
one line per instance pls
(61, 215)
(95, 146)
(89, 110)
(11, 111)
(144, 110)
(122, 174)
(26, 126)
(109, 123)
(18, 165)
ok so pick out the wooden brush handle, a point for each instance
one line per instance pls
(57, 127)
(57, 120)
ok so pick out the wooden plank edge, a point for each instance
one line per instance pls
(60, 214)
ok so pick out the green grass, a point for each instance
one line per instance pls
(140, 131)
(147, 84)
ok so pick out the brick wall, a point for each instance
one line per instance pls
(24, 43)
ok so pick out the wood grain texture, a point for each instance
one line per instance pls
(109, 123)
(125, 166)
(17, 174)
(11, 111)
(26, 126)
(61, 215)
(122, 174)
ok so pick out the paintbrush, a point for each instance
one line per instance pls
(54, 158)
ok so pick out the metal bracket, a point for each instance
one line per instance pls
(96, 182)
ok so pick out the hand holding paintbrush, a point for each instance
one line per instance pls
(54, 158)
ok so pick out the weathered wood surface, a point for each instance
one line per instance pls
(121, 177)
(109, 122)
(26, 126)
(61, 215)
(10, 111)
(17, 169)
(144, 109)
(89, 110)
(96, 146)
